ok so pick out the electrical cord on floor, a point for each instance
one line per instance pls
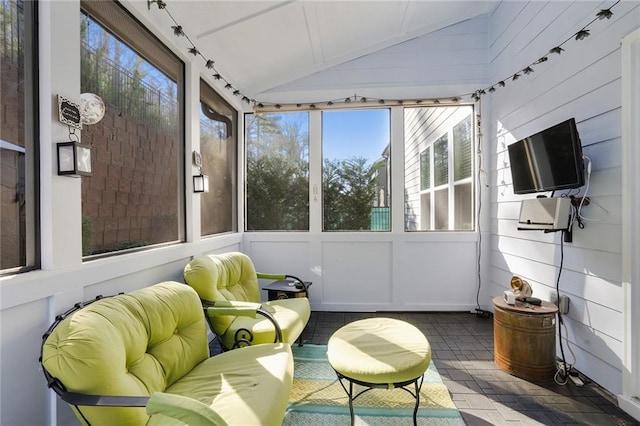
(563, 370)
(562, 374)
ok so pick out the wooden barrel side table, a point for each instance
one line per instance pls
(524, 339)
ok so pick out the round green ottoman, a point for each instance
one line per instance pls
(379, 353)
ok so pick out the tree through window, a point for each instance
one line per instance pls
(277, 192)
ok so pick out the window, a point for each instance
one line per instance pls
(355, 175)
(277, 171)
(18, 146)
(135, 196)
(218, 148)
(438, 169)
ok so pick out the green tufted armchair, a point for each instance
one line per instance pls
(142, 358)
(231, 278)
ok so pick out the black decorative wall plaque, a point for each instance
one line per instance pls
(69, 112)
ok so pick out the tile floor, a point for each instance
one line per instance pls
(462, 349)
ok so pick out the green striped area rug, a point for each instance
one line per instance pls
(318, 399)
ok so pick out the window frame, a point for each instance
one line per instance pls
(210, 97)
(31, 125)
(434, 189)
(246, 172)
(111, 15)
(384, 185)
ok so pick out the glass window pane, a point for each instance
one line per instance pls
(441, 161)
(462, 149)
(17, 142)
(425, 169)
(355, 174)
(218, 148)
(434, 136)
(464, 206)
(441, 209)
(277, 192)
(133, 198)
(425, 212)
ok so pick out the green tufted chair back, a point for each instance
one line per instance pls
(228, 276)
(130, 344)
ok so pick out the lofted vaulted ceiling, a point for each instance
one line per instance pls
(264, 47)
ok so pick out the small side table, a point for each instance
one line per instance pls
(284, 289)
(524, 339)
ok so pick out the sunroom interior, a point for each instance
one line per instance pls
(361, 145)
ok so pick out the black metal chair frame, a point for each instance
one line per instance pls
(80, 399)
(243, 337)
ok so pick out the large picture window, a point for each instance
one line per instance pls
(355, 171)
(218, 148)
(135, 196)
(277, 171)
(18, 145)
(439, 168)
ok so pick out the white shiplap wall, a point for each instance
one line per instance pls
(583, 82)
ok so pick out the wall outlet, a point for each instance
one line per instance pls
(563, 306)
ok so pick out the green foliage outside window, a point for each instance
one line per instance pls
(349, 191)
(277, 193)
(277, 179)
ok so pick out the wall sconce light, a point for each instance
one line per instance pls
(201, 183)
(74, 159)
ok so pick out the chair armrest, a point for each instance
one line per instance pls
(75, 398)
(232, 307)
(238, 308)
(185, 409)
(276, 277)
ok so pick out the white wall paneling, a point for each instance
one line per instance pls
(374, 272)
(629, 398)
(583, 82)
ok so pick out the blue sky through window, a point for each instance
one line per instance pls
(355, 133)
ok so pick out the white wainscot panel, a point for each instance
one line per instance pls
(357, 273)
(436, 276)
(282, 257)
(23, 384)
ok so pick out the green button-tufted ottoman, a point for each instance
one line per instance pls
(379, 353)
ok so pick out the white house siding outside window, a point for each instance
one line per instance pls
(439, 187)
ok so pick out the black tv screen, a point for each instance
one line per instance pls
(548, 160)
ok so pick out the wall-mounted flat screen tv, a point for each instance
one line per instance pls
(549, 160)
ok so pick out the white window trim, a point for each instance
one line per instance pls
(629, 400)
